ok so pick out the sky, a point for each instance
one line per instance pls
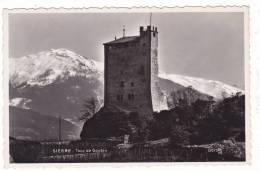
(207, 45)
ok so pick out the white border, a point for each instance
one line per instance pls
(254, 41)
(122, 10)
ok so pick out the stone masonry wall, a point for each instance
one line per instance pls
(127, 81)
(131, 74)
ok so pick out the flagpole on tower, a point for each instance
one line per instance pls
(151, 19)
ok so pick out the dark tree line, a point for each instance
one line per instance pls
(203, 121)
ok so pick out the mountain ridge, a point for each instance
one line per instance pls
(58, 64)
(56, 83)
(47, 67)
(216, 89)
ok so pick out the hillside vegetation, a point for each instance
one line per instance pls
(201, 122)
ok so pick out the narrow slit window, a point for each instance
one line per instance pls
(122, 84)
(119, 97)
(131, 96)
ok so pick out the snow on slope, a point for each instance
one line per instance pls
(58, 64)
(213, 88)
(46, 67)
(20, 102)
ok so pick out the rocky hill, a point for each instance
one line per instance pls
(186, 95)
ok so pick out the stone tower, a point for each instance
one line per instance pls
(131, 72)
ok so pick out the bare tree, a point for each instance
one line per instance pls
(90, 107)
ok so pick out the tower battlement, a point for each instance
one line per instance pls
(148, 28)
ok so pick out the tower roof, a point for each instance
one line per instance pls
(123, 40)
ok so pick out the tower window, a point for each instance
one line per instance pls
(144, 44)
(131, 96)
(153, 34)
(122, 84)
(132, 84)
(119, 97)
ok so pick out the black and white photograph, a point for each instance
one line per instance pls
(112, 86)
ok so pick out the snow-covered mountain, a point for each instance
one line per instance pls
(216, 89)
(56, 83)
(55, 65)
(47, 67)
(53, 83)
